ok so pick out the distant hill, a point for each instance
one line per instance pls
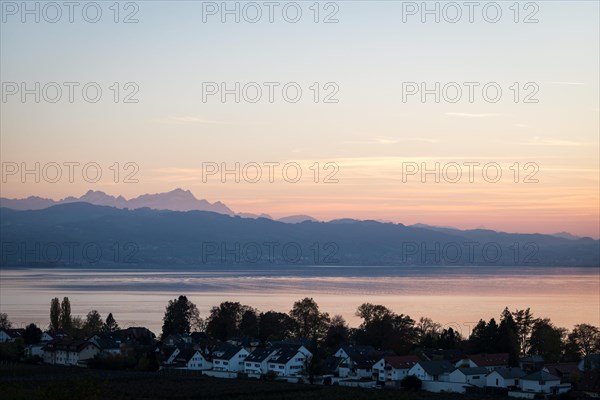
(83, 234)
(295, 219)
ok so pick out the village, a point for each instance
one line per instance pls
(335, 360)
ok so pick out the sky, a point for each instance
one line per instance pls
(521, 159)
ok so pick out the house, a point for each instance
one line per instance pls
(394, 368)
(289, 361)
(567, 372)
(257, 361)
(505, 378)
(531, 363)
(591, 362)
(10, 335)
(248, 342)
(107, 345)
(69, 352)
(489, 361)
(357, 361)
(475, 376)
(178, 340)
(230, 358)
(34, 350)
(432, 370)
(540, 382)
(192, 360)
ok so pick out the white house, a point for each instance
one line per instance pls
(432, 370)
(10, 335)
(229, 358)
(506, 378)
(257, 362)
(475, 376)
(540, 382)
(394, 368)
(69, 352)
(107, 346)
(289, 361)
(193, 360)
(490, 361)
(358, 361)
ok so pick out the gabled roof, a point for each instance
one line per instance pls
(510, 373)
(107, 343)
(562, 369)
(260, 354)
(68, 345)
(354, 350)
(437, 367)
(14, 333)
(401, 362)
(540, 376)
(489, 360)
(226, 351)
(283, 355)
(474, 371)
(532, 359)
(186, 355)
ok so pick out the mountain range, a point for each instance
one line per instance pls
(83, 234)
(175, 200)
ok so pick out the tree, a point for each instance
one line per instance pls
(427, 332)
(449, 339)
(508, 338)
(274, 325)
(178, 315)
(32, 334)
(110, 325)
(197, 324)
(4, 322)
(65, 321)
(524, 321)
(310, 322)
(93, 323)
(586, 339)
(382, 328)
(249, 323)
(337, 333)
(55, 314)
(224, 321)
(547, 341)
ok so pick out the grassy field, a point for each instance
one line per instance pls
(32, 382)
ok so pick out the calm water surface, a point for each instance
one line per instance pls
(456, 296)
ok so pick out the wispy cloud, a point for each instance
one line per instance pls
(391, 140)
(189, 120)
(567, 83)
(472, 115)
(541, 141)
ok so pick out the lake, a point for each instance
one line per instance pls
(453, 296)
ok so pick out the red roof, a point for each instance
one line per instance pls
(402, 362)
(489, 360)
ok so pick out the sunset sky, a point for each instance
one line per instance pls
(369, 134)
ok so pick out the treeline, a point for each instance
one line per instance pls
(518, 333)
